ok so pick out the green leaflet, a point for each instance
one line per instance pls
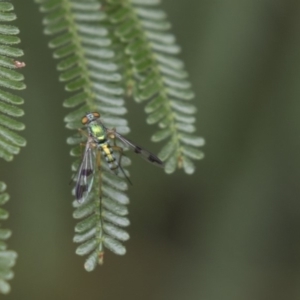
(114, 246)
(116, 232)
(161, 135)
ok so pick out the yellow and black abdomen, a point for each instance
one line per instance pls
(107, 152)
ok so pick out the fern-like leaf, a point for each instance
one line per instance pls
(88, 67)
(159, 78)
(10, 141)
(7, 257)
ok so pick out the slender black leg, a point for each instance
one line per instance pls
(121, 151)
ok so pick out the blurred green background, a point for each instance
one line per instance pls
(230, 231)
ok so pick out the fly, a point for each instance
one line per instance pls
(98, 145)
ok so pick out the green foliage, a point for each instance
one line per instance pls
(10, 141)
(88, 66)
(109, 50)
(7, 257)
(158, 77)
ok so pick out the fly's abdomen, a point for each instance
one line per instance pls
(109, 156)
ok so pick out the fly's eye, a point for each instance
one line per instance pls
(84, 120)
(96, 115)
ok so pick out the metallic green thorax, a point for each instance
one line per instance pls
(97, 131)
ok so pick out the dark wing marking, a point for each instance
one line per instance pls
(139, 150)
(85, 175)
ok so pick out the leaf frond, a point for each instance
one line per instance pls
(89, 68)
(7, 257)
(10, 79)
(158, 77)
(10, 141)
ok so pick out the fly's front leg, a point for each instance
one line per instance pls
(83, 132)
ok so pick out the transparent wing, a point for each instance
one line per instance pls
(85, 175)
(139, 150)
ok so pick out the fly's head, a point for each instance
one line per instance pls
(90, 117)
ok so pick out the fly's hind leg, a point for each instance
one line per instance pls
(121, 153)
(112, 136)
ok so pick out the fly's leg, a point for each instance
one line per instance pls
(83, 132)
(121, 152)
(112, 136)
